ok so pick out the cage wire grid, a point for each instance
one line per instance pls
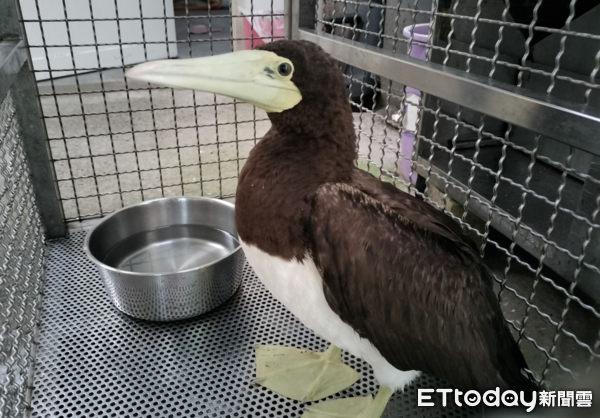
(116, 142)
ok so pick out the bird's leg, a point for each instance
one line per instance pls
(303, 375)
(360, 407)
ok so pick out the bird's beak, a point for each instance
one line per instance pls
(250, 76)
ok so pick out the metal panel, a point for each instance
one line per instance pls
(574, 125)
(35, 144)
(12, 57)
(22, 264)
(15, 74)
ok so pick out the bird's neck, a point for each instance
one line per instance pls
(327, 120)
(277, 184)
(290, 158)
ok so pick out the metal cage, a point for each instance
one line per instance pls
(488, 110)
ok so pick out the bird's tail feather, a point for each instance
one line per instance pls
(514, 365)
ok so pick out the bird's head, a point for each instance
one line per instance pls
(295, 82)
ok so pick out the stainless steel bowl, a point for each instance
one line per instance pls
(170, 258)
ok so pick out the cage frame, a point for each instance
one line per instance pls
(574, 125)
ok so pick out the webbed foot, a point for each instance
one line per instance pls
(303, 375)
(359, 407)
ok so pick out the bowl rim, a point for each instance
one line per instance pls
(86, 246)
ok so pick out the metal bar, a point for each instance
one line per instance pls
(577, 126)
(36, 146)
(319, 13)
(292, 17)
(291, 10)
(12, 56)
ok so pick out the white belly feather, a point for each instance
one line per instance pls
(299, 287)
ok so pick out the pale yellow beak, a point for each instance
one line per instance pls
(254, 77)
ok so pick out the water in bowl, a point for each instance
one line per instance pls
(171, 249)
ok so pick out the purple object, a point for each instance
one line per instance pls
(419, 39)
(406, 149)
(420, 34)
(410, 90)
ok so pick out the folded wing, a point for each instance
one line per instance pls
(403, 276)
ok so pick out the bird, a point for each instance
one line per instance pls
(373, 270)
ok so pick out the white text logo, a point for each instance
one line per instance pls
(561, 398)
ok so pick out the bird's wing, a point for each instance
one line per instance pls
(421, 296)
(412, 208)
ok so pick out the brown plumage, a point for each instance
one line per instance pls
(395, 269)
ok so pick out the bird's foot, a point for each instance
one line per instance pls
(360, 407)
(301, 374)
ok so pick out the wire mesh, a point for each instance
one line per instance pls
(484, 172)
(21, 266)
(116, 142)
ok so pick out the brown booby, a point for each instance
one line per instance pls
(373, 270)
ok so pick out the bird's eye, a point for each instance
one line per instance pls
(284, 69)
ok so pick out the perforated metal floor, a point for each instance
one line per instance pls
(94, 361)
